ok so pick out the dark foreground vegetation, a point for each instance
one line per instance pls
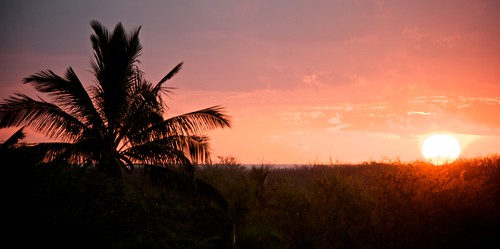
(58, 206)
(372, 205)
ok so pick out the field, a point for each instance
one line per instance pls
(370, 205)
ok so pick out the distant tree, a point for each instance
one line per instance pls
(19, 157)
(13, 140)
(9, 148)
(118, 122)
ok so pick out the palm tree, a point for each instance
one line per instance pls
(119, 121)
(13, 140)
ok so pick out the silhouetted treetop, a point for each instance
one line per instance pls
(120, 120)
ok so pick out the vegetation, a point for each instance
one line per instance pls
(48, 206)
(371, 205)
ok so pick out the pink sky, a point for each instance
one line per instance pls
(304, 81)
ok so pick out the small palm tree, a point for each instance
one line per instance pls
(19, 156)
(13, 140)
(119, 121)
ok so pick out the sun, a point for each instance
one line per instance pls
(441, 149)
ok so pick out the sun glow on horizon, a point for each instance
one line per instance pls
(440, 149)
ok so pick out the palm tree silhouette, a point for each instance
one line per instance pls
(19, 156)
(119, 121)
(13, 140)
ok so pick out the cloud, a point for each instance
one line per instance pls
(359, 81)
(336, 123)
(311, 80)
(387, 136)
(299, 117)
(421, 113)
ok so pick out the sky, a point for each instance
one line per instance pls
(304, 82)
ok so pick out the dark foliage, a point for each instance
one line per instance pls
(372, 205)
(48, 206)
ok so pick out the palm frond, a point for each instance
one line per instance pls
(159, 87)
(98, 99)
(115, 55)
(199, 149)
(193, 123)
(169, 75)
(135, 122)
(99, 40)
(133, 45)
(42, 116)
(141, 95)
(114, 67)
(101, 35)
(157, 152)
(68, 92)
(48, 152)
(84, 151)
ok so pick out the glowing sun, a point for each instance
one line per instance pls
(440, 149)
